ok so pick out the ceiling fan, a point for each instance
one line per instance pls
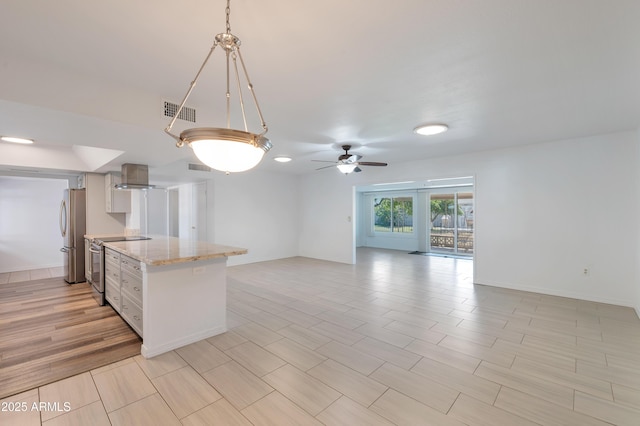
(348, 163)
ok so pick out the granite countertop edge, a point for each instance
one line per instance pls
(162, 250)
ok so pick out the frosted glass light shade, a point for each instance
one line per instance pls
(227, 150)
(227, 156)
(347, 168)
(431, 129)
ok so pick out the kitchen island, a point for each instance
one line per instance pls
(183, 292)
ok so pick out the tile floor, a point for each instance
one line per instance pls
(33, 274)
(396, 339)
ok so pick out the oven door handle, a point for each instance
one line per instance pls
(92, 250)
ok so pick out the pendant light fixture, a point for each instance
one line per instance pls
(226, 149)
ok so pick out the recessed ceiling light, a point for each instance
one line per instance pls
(16, 140)
(431, 129)
(282, 159)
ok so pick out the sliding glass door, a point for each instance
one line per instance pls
(451, 216)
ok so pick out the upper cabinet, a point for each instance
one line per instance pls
(116, 200)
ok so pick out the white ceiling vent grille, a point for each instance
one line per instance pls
(199, 167)
(187, 113)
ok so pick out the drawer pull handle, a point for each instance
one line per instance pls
(136, 288)
(135, 317)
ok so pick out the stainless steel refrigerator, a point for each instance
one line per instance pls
(72, 228)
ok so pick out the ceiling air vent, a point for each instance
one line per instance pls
(199, 167)
(187, 113)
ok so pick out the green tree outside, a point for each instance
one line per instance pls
(398, 211)
(442, 207)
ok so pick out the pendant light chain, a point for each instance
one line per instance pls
(228, 11)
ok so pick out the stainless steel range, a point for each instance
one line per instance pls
(96, 273)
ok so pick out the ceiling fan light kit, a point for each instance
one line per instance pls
(346, 168)
(348, 163)
(431, 129)
(225, 149)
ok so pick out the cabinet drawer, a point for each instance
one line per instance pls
(111, 256)
(131, 266)
(132, 285)
(111, 272)
(132, 313)
(112, 294)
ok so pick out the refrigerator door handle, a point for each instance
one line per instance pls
(64, 250)
(63, 218)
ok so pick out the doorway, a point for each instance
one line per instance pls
(451, 228)
(187, 211)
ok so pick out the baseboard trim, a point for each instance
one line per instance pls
(566, 294)
(149, 352)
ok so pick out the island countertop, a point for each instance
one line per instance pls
(163, 250)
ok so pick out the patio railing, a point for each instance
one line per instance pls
(445, 240)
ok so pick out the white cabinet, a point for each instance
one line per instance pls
(132, 313)
(131, 291)
(123, 287)
(112, 279)
(116, 200)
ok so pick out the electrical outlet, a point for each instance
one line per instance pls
(585, 271)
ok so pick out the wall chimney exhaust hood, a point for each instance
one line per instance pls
(135, 176)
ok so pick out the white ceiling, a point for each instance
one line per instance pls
(87, 79)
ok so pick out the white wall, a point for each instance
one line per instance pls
(637, 257)
(546, 212)
(98, 220)
(254, 210)
(327, 208)
(156, 219)
(29, 211)
(524, 197)
(29, 223)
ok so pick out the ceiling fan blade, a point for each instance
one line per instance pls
(325, 167)
(370, 163)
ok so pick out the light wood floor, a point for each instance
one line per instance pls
(397, 339)
(51, 330)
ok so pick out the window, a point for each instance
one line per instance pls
(393, 214)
